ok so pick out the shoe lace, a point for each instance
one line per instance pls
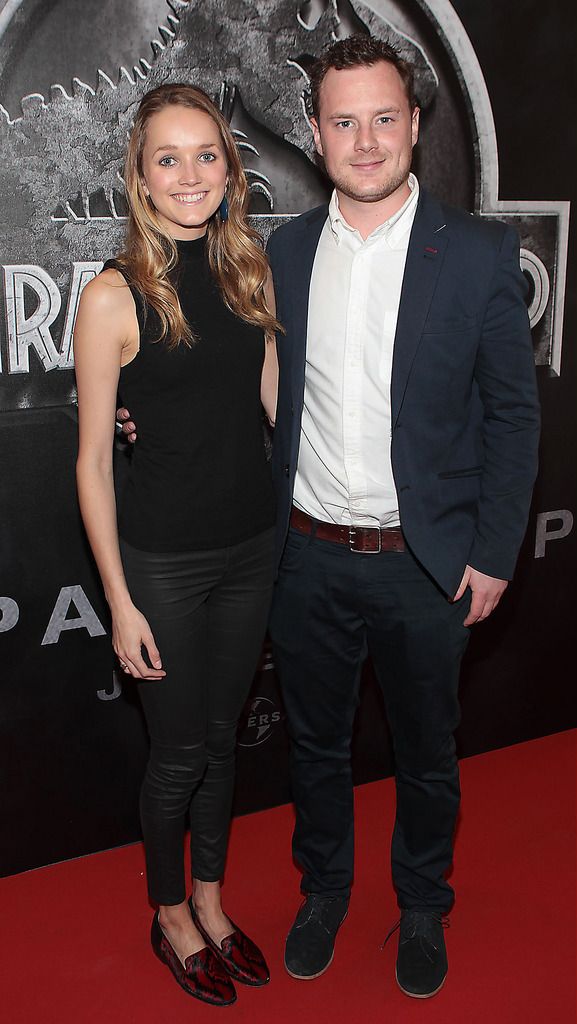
(417, 923)
(315, 908)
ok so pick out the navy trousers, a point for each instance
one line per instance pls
(332, 606)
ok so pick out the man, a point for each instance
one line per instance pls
(404, 457)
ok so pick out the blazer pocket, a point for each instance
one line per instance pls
(454, 474)
(449, 325)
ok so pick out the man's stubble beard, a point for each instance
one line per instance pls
(381, 191)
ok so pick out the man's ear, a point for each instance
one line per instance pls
(317, 136)
(415, 125)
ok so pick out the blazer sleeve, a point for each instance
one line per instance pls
(505, 376)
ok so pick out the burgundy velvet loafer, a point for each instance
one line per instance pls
(239, 955)
(203, 974)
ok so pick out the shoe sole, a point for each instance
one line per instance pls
(311, 977)
(243, 981)
(420, 995)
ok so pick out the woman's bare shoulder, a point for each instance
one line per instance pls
(108, 292)
(107, 314)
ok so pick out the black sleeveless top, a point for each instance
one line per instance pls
(199, 476)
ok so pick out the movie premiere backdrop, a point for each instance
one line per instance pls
(496, 138)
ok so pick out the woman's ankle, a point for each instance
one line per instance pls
(177, 915)
(206, 896)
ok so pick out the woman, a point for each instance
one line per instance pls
(181, 325)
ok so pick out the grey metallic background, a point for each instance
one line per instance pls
(61, 193)
(497, 137)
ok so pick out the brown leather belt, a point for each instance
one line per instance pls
(368, 539)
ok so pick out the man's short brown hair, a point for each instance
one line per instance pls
(354, 52)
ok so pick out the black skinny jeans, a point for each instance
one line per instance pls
(208, 612)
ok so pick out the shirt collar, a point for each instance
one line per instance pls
(392, 229)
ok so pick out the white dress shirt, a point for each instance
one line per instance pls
(344, 472)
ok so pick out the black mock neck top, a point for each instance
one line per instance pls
(199, 476)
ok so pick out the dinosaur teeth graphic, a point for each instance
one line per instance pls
(62, 203)
(167, 34)
(124, 74)
(58, 94)
(32, 104)
(104, 82)
(79, 89)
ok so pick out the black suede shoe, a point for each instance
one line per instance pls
(422, 957)
(310, 944)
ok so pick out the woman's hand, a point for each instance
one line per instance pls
(130, 633)
(128, 427)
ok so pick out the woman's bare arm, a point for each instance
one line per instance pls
(269, 379)
(104, 339)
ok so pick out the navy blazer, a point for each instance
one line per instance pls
(465, 415)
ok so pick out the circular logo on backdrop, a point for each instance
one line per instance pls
(258, 722)
(62, 206)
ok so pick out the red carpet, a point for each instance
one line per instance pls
(75, 936)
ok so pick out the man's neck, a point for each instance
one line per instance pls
(367, 217)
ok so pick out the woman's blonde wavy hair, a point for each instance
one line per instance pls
(235, 253)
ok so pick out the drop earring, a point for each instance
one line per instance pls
(223, 208)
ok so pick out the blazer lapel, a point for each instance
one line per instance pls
(303, 257)
(427, 245)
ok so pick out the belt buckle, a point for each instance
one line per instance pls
(360, 551)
